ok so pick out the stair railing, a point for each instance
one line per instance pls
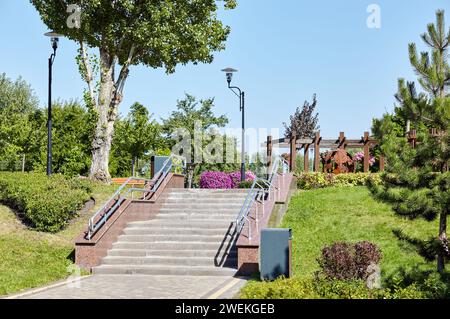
(125, 192)
(258, 192)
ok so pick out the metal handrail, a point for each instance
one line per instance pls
(114, 202)
(260, 188)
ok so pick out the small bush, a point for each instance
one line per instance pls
(344, 261)
(48, 203)
(245, 184)
(321, 180)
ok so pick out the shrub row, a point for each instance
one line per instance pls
(47, 203)
(321, 180)
(315, 288)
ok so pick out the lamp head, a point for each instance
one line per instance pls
(54, 38)
(229, 73)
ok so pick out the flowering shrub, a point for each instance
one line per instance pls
(359, 157)
(221, 180)
(216, 180)
(236, 178)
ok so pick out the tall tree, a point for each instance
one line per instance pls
(136, 135)
(304, 122)
(153, 33)
(417, 180)
(196, 121)
(19, 123)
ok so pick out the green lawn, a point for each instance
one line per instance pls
(321, 217)
(31, 259)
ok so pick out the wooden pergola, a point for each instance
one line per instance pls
(294, 144)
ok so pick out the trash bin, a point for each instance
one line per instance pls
(275, 253)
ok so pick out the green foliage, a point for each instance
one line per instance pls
(135, 137)
(151, 33)
(71, 134)
(28, 263)
(417, 180)
(321, 180)
(48, 204)
(245, 184)
(316, 288)
(432, 284)
(163, 34)
(192, 120)
(20, 122)
(324, 216)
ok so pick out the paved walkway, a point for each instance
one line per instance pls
(142, 287)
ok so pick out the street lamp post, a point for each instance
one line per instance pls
(241, 95)
(54, 38)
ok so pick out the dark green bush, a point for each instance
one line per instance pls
(322, 180)
(48, 203)
(245, 184)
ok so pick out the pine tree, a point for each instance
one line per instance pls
(304, 121)
(417, 179)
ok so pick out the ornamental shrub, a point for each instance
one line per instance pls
(216, 180)
(345, 261)
(321, 180)
(47, 203)
(221, 180)
(236, 178)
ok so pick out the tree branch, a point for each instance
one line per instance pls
(88, 76)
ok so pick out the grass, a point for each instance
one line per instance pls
(30, 259)
(324, 216)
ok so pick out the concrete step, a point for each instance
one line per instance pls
(186, 196)
(168, 238)
(178, 231)
(170, 245)
(171, 261)
(196, 216)
(206, 191)
(191, 223)
(170, 253)
(201, 205)
(232, 211)
(163, 270)
(204, 201)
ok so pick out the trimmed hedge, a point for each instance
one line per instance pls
(48, 203)
(317, 288)
(321, 180)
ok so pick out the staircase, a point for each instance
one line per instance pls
(191, 235)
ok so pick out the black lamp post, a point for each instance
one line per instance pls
(54, 37)
(229, 73)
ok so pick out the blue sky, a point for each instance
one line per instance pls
(285, 52)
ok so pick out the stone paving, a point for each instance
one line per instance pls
(138, 287)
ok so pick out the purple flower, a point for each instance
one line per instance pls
(359, 157)
(215, 180)
(221, 180)
(236, 177)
